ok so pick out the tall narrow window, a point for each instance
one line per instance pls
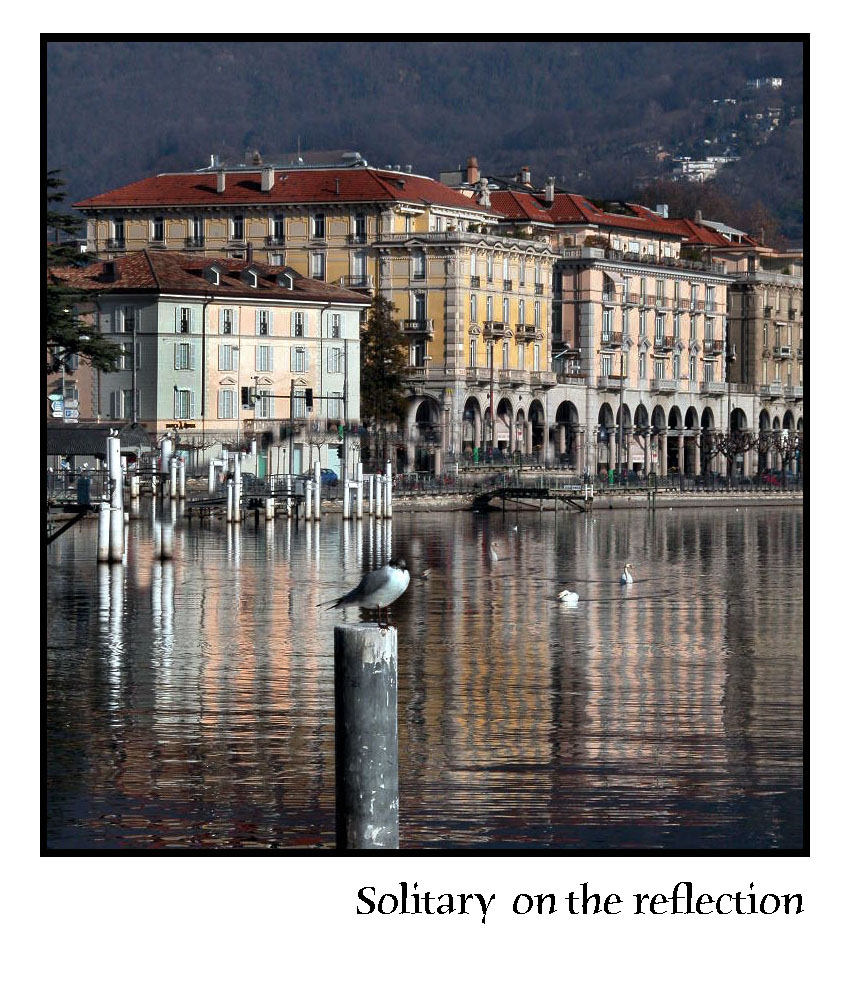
(226, 321)
(334, 405)
(522, 311)
(264, 404)
(359, 227)
(226, 403)
(676, 366)
(334, 360)
(318, 226)
(299, 360)
(659, 328)
(226, 358)
(263, 321)
(418, 265)
(184, 356)
(520, 355)
(692, 371)
(299, 404)
(185, 320)
(489, 309)
(505, 310)
(522, 272)
(298, 324)
(536, 356)
(473, 263)
(641, 365)
(197, 231)
(184, 404)
(505, 354)
(317, 267)
(709, 371)
(606, 324)
(278, 229)
(336, 326)
(157, 233)
(473, 352)
(473, 308)
(118, 232)
(264, 359)
(537, 314)
(238, 233)
(489, 268)
(419, 306)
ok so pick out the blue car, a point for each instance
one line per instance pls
(329, 476)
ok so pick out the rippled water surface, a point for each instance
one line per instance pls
(190, 703)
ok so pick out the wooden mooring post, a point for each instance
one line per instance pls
(366, 724)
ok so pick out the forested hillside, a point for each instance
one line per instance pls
(603, 118)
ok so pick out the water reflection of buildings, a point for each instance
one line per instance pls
(200, 691)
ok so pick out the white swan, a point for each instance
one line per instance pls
(626, 577)
(568, 597)
(493, 552)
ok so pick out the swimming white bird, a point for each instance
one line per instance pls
(626, 577)
(426, 574)
(378, 589)
(568, 597)
(493, 552)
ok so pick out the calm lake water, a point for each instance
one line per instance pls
(190, 703)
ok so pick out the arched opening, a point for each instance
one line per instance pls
(536, 416)
(709, 452)
(605, 439)
(566, 419)
(472, 428)
(691, 441)
(788, 422)
(504, 426)
(675, 440)
(623, 438)
(426, 436)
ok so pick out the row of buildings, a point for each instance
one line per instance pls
(537, 321)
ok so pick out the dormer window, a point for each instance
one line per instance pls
(285, 280)
(251, 277)
(213, 274)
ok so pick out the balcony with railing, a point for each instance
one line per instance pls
(644, 258)
(513, 377)
(782, 352)
(793, 392)
(663, 344)
(611, 339)
(477, 374)
(526, 331)
(544, 378)
(195, 242)
(647, 300)
(494, 329)
(357, 238)
(609, 381)
(713, 347)
(663, 386)
(712, 388)
(508, 285)
(418, 326)
(358, 281)
(116, 243)
(682, 303)
(774, 389)
(420, 371)
(800, 352)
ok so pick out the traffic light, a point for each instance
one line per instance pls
(246, 397)
(308, 395)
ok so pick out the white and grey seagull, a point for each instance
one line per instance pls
(378, 589)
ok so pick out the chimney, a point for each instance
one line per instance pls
(698, 217)
(221, 179)
(549, 189)
(662, 210)
(473, 174)
(267, 178)
(525, 175)
(110, 272)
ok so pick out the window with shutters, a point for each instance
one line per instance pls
(520, 349)
(264, 359)
(473, 352)
(334, 405)
(334, 360)
(641, 365)
(489, 309)
(299, 404)
(505, 310)
(336, 326)
(419, 265)
(184, 403)
(709, 370)
(317, 267)
(183, 356)
(226, 358)
(298, 324)
(127, 402)
(709, 329)
(226, 320)
(125, 357)
(521, 272)
(473, 308)
(710, 298)
(263, 322)
(693, 368)
(299, 363)
(129, 319)
(606, 324)
(537, 314)
(226, 403)
(264, 404)
(505, 355)
(659, 369)
(489, 264)
(522, 311)
(606, 364)
(184, 322)
(659, 328)
(536, 356)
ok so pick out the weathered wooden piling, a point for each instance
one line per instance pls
(116, 491)
(181, 476)
(366, 726)
(231, 490)
(377, 507)
(237, 487)
(269, 509)
(359, 479)
(307, 500)
(210, 477)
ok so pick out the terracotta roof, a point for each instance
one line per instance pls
(298, 186)
(176, 273)
(517, 205)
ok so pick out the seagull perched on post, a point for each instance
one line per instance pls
(378, 589)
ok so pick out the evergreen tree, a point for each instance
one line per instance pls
(64, 336)
(382, 362)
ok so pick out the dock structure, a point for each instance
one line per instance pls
(580, 497)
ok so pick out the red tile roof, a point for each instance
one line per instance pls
(175, 273)
(520, 206)
(299, 186)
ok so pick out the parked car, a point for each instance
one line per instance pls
(329, 476)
